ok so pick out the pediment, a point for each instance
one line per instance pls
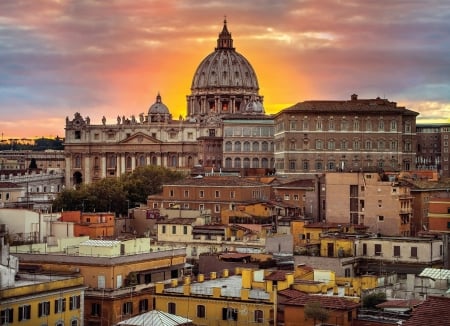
(141, 139)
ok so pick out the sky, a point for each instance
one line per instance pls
(110, 58)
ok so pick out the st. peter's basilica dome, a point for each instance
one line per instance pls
(224, 82)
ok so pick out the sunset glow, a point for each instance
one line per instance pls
(110, 58)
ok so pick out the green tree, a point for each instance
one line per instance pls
(147, 180)
(116, 195)
(370, 301)
(314, 310)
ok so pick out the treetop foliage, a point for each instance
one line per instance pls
(117, 194)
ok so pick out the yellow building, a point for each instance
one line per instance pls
(246, 298)
(118, 274)
(43, 300)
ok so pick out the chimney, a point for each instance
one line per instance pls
(159, 287)
(174, 282)
(213, 275)
(247, 278)
(187, 280)
(217, 292)
(200, 278)
(225, 273)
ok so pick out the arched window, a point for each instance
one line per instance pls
(154, 160)
(264, 162)
(128, 163)
(78, 161)
(265, 146)
(237, 146)
(255, 146)
(246, 146)
(142, 160)
(255, 163)
(237, 162)
(228, 146)
(259, 316)
(246, 162)
(112, 162)
(228, 162)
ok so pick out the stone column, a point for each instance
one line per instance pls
(103, 165)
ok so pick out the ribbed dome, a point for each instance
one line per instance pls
(224, 83)
(225, 68)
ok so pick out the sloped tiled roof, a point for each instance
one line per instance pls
(328, 302)
(435, 311)
(278, 275)
(156, 318)
(400, 303)
(216, 182)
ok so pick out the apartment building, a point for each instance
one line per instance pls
(37, 299)
(353, 135)
(118, 275)
(375, 200)
(95, 225)
(212, 193)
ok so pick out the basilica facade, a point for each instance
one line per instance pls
(225, 127)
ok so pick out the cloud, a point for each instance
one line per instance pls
(109, 58)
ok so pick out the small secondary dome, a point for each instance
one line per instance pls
(158, 107)
(158, 111)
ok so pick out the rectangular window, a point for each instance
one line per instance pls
(174, 229)
(171, 193)
(292, 165)
(186, 193)
(232, 194)
(127, 308)
(172, 308)
(6, 316)
(414, 252)
(380, 218)
(229, 314)
(185, 229)
(217, 193)
(60, 305)
(202, 194)
(364, 249)
(190, 135)
(378, 250)
(25, 312)
(143, 305)
(259, 316)
(305, 165)
(396, 251)
(163, 229)
(74, 302)
(201, 311)
(96, 309)
(217, 208)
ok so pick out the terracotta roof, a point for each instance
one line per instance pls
(216, 182)
(290, 293)
(277, 275)
(178, 220)
(372, 106)
(302, 183)
(9, 185)
(400, 303)
(435, 311)
(233, 255)
(328, 302)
